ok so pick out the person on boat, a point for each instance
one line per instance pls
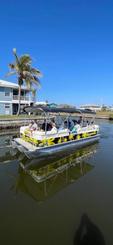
(33, 125)
(30, 125)
(59, 122)
(80, 120)
(54, 128)
(75, 121)
(88, 123)
(46, 126)
(92, 121)
(64, 125)
(75, 128)
(70, 124)
(84, 123)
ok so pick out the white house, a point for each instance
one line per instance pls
(9, 99)
(92, 107)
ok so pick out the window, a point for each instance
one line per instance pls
(7, 93)
(7, 106)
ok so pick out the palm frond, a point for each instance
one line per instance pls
(33, 90)
(11, 73)
(27, 75)
(36, 72)
(28, 83)
(11, 66)
(16, 56)
(14, 67)
(36, 81)
(25, 59)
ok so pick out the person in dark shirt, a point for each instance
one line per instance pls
(80, 120)
(46, 126)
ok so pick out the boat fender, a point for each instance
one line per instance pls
(84, 135)
(44, 142)
(60, 140)
(34, 141)
(65, 139)
(78, 137)
(71, 137)
(51, 141)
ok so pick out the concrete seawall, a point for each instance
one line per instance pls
(16, 123)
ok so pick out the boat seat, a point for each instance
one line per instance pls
(63, 132)
(40, 135)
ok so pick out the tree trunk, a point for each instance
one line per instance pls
(19, 100)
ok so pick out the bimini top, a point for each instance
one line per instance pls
(46, 109)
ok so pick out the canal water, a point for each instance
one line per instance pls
(66, 199)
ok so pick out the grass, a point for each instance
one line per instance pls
(105, 113)
(10, 117)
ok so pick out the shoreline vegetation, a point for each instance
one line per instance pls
(104, 115)
(99, 114)
(14, 121)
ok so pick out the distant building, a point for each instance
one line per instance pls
(110, 108)
(52, 105)
(107, 108)
(9, 99)
(92, 107)
(41, 103)
(44, 103)
(66, 106)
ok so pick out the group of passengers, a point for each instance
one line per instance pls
(52, 126)
(45, 126)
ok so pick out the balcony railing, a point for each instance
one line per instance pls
(25, 98)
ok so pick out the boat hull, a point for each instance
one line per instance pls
(40, 151)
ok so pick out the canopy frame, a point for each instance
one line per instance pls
(31, 109)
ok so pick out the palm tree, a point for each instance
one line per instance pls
(25, 73)
(33, 90)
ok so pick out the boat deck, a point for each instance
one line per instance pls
(28, 146)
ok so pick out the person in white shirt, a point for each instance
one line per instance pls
(33, 125)
(54, 129)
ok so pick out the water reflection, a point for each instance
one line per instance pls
(42, 179)
(88, 233)
(7, 154)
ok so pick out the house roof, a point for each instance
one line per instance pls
(7, 84)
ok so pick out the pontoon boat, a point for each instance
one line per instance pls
(63, 134)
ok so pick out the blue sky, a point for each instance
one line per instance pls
(71, 42)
